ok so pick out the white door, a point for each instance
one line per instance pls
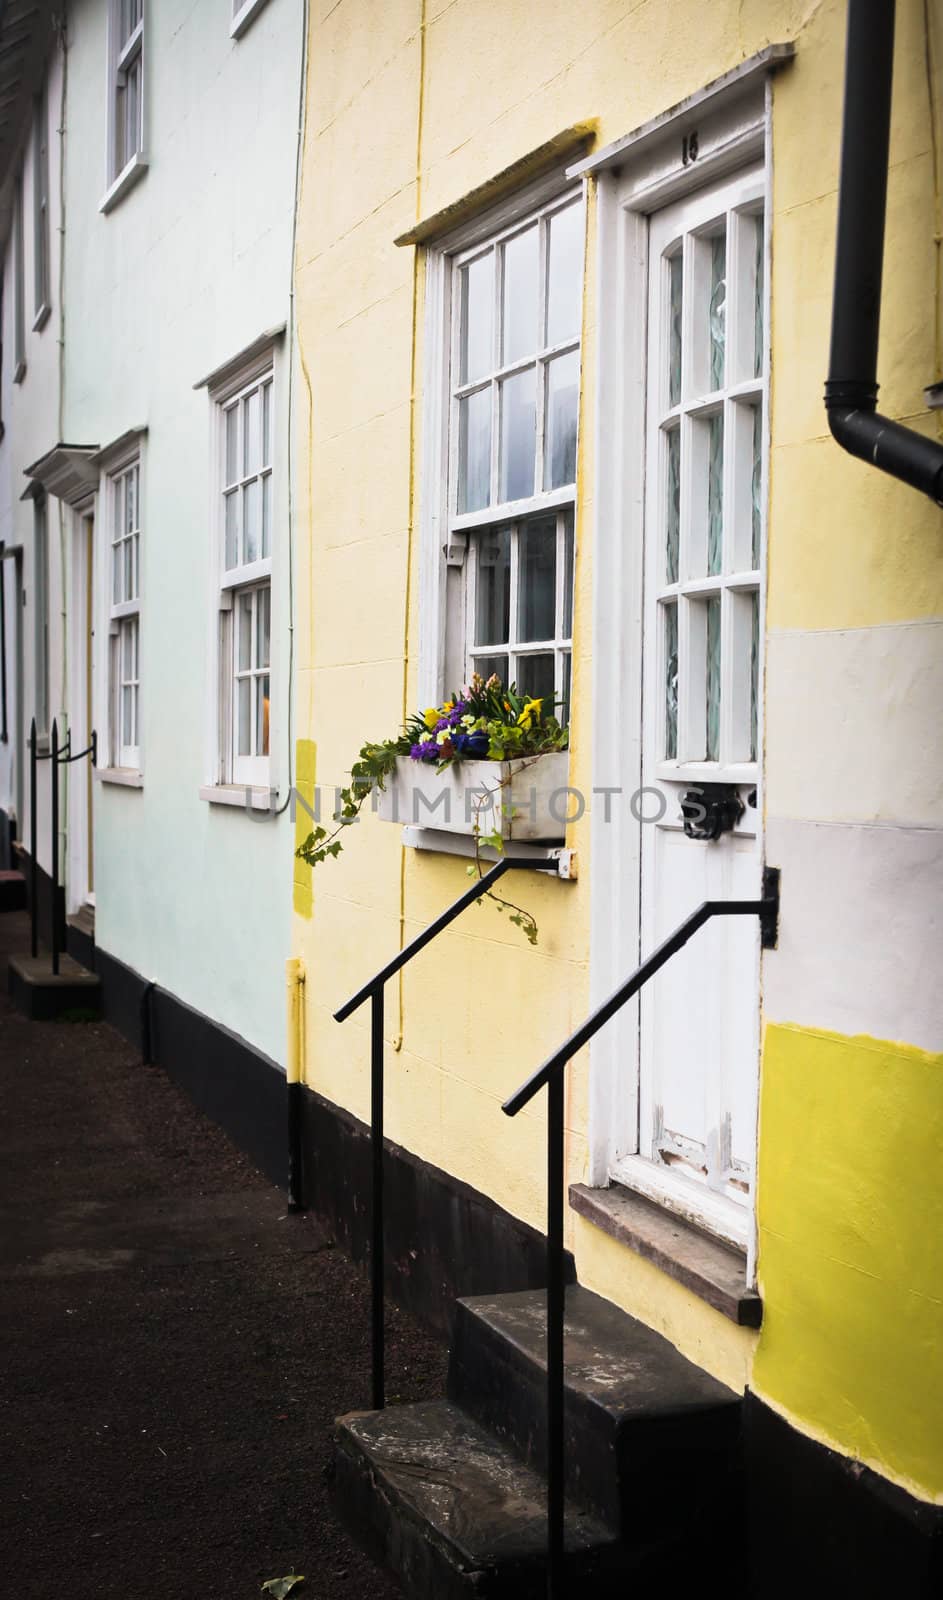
(702, 627)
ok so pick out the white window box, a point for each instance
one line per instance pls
(527, 800)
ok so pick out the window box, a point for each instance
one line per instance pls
(527, 800)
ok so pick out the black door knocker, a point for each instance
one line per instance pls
(711, 809)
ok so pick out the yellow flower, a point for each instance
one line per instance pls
(532, 708)
(431, 716)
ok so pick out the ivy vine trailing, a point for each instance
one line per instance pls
(485, 721)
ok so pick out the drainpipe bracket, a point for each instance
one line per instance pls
(852, 393)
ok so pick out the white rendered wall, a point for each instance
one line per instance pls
(31, 418)
(186, 271)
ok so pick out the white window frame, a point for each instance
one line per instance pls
(637, 177)
(447, 551)
(736, 199)
(42, 292)
(126, 158)
(244, 12)
(253, 772)
(19, 282)
(124, 614)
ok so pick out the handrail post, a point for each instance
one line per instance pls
(556, 1310)
(54, 864)
(33, 875)
(376, 1194)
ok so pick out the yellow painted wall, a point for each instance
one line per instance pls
(411, 105)
(851, 1247)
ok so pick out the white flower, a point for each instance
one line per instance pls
(443, 736)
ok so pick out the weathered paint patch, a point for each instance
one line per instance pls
(851, 1260)
(305, 768)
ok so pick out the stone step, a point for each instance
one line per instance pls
(454, 1513)
(12, 890)
(651, 1439)
(44, 996)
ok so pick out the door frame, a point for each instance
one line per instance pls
(83, 617)
(643, 173)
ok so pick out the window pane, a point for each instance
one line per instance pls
(127, 641)
(474, 451)
(267, 425)
(117, 573)
(244, 645)
(758, 297)
(493, 601)
(565, 275)
(537, 580)
(535, 677)
(567, 632)
(520, 296)
(671, 682)
(718, 305)
(252, 426)
(715, 494)
(756, 494)
(713, 678)
(131, 501)
(263, 627)
(126, 728)
(244, 717)
(563, 379)
(673, 507)
(267, 514)
(486, 665)
(754, 673)
(252, 520)
(518, 434)
(562, 711)
(262, 704)
(232, 529)
(129, 569)
(675, 306)
(133, 108)
(477, 291)
(232, 444)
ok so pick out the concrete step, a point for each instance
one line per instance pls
(651, 1440)
(12, 890)
(44, 996)
(454, 1513)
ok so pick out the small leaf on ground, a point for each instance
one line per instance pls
(280, 1587)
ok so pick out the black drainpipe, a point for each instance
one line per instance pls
(851, 390)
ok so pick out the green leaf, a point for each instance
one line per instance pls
(280, 1587)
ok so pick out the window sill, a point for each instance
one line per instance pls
(42, 317)
(246, 14)
(126, 179)
(248, 797)
(561, 863)
(125, 777)
(715, 1272)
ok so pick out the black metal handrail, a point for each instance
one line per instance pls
(59, 758)
(373, 991)
(551, 1076)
